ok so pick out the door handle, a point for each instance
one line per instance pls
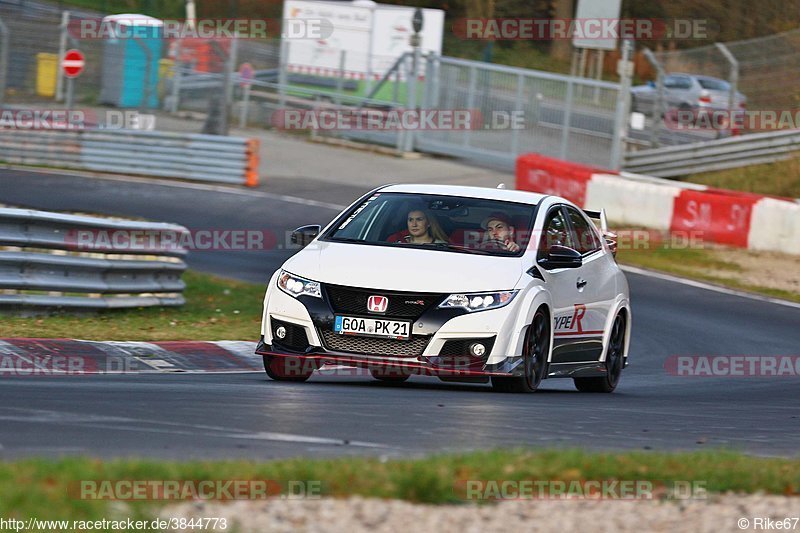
(581, 283)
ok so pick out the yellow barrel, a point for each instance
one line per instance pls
(46, 74)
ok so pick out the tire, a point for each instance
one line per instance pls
(535, 351)
(614, 362)
(289, 369)
(393, 376)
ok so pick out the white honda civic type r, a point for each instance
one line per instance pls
(463, 283)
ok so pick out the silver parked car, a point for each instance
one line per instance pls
(686, 92)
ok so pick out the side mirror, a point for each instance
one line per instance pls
(305, 234)
(561, 257)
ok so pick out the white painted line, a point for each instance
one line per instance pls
(184, 185)
(288, 437)
(708, 286)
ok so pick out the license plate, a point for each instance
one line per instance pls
(372, 327)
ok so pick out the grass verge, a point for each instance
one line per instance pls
(51, 489)
(216, 309)
(778, 179)
(704, 264)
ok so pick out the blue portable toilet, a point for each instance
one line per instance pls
(130, 60)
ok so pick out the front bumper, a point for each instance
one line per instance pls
(440, 366)
(435, 334)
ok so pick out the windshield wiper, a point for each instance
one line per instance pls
(349, 239)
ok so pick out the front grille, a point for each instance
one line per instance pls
(460, 347)
(401, 304)
(373, 346)
(295, 339)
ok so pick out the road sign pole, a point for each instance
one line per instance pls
(245, 106)
(70, 93)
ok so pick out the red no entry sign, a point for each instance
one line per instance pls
(73, 63)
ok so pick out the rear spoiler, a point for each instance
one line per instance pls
(609, 236)
(598, 215)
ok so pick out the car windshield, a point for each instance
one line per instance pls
(448, 223)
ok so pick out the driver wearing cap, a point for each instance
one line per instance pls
(500, 230)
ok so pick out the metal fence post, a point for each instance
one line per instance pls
(473, 79)
(658, 105)
(625, 70)
(567, 119)
(733, 80)
(435, 81)
(4, 43)
(227, 98)
(412, 95)
(340, 78)
(402, 134)
(62, 48)
(282, 73)
(517, 107)
(177, 74)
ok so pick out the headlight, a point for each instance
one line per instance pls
(297, 286)
(480, 301)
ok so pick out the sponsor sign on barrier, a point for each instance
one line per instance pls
(547, 175)
(723, 216)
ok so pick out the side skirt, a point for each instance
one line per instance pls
(586, 369)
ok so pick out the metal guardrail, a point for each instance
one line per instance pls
(57, 260)
(148, 153)
(705, 156)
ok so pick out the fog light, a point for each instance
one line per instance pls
(280, 332)
(477, 349)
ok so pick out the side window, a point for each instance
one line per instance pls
(556, 231)
(677, 82)
(583, 233)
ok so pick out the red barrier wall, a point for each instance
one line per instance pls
(547, 175)
(722, 216)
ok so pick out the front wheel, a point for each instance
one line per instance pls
(534, 355)
(287, 368)
(614, 362)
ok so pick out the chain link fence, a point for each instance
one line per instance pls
(765, 70)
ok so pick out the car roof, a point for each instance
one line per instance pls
(696, 76)
(508, 195)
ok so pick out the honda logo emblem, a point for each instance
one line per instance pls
(377, 304)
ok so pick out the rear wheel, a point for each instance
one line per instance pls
(614, 362)
(287, 368)
(534, 355)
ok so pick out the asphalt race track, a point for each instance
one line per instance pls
(247, 415)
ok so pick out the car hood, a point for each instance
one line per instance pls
(404, 269)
